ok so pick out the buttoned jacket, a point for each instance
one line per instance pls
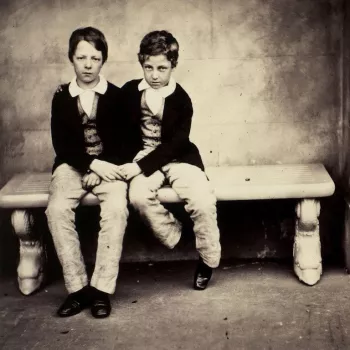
(67, 130)
(175, 129)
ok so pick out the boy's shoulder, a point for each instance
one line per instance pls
(181, 92)
(131, 84)
(112, 90)
(179, 96)
(62, 90)
(61, 95)
(112, 87)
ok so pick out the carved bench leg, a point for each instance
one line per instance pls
(307, 244)
(32, 256)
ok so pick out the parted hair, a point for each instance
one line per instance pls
(159, 42)
(93, 36)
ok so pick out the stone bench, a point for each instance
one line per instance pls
(305, 182)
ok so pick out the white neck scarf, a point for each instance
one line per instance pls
(154, 97)
(87, 96)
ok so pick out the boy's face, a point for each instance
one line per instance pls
(87, 63)
(157, 71)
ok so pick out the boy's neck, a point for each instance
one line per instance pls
(88, 86)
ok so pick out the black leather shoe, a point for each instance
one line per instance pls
(202, 275)
(101, 306)
(74, 303)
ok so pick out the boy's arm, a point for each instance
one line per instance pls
(118, 132)
(63, 144)
(130, 137)
(169, 150)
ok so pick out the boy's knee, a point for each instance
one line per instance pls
(58, 208)
(204, 205)
(139, 197)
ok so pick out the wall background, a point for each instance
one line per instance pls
(265, 77)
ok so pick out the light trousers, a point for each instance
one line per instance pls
(192, 186)
(65, 194)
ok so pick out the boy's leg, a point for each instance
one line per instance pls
(64, 196)
(143, 197)
(192, 185)
(114, 214)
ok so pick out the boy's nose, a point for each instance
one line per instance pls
(88, 63)
(154, 75)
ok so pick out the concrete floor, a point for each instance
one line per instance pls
(247, 306)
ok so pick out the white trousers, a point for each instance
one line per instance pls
(65, 194)
(192, 186)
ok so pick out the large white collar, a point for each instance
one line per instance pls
(165, 91)
(76, 90)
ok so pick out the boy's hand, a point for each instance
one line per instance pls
(130, 170)
(107, 171)
(90, 180)
(59, 89)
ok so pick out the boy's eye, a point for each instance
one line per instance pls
(148, 68)
(162, 69)
(96, 59)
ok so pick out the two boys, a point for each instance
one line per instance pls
(108, 140)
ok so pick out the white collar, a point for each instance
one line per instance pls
(75, 89)
(163, 91)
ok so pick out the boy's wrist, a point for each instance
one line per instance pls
(93, 165)
(138, 168)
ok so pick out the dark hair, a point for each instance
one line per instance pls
(92, 36)
(159, 43)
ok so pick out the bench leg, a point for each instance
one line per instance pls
(31, 252)
(307, 244)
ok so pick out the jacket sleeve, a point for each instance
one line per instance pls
(132, 140)
(64, 142)
(176, 145)
(111, 127)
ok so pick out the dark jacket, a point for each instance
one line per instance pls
(68, 133)
(175, 129)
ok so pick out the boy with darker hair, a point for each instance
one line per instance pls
(88, 135)
(163, 111)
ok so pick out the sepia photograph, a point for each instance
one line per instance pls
(174, 174)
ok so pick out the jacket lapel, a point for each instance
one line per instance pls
(72, 111)
(169, 115)
(135, 106)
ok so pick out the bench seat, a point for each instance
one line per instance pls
(29, 190)
(305, 182)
